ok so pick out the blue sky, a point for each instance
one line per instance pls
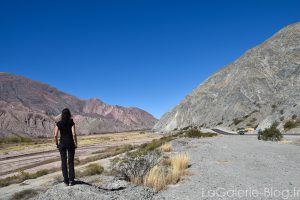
(145, 53)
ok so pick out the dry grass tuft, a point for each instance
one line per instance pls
(180, 162)
(156, 178)
(161, 176)
(136, 180)
(166, 148)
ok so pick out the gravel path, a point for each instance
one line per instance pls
(238, 167)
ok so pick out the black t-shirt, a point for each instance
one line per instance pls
(66, 137)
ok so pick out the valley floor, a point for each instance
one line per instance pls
(222, 167)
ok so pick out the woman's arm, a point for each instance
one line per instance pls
(56, 135)
(74, 135)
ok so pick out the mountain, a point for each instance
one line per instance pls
(30, 107)
(259, 88)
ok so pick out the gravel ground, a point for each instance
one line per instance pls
(97, 187)
(223, 167)
(238, 167)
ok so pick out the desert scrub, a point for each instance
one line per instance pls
(22, 176)
(91, 169)
(14, 139)
(168, 173)
(25, 194)
(291, 124)
(236, 121)
(166, 147)
(133, 169)
(144, 149)
(272, 133)
(194, 133)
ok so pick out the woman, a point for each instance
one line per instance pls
(67, 143)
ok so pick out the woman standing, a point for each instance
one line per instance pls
(67, 143)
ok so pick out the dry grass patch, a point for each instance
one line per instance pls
(156, 178)
(91, 169)
(169, 173)
(25, 194)
(22, 176)
(166, 148)
(180, 161)
(285, 142)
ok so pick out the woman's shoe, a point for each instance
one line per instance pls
(66, 183)
(72, 183)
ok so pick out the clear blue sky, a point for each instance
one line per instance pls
(145, 53)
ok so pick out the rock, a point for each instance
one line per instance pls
(260, 87)
(115, 185)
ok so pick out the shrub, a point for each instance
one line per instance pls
(166, 148)
(291, 124)
(294, 116)
(194, 133)
(236, 121)
(14, 139)
(133, 168)
(272, 133)
(76, 161)
(22, 177)
(91, 169)
(25, 194)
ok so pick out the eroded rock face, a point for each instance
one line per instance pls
(31, 108)
(261, 87)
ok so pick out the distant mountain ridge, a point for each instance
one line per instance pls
(30, 107)
(259, 88)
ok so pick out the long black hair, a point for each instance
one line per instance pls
(66, 115)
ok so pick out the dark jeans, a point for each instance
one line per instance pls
(70, 156)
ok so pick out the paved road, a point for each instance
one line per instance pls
(227, 133)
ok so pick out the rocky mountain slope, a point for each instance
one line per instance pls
(31, 108)
(260, 87)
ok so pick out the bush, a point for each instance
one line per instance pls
(166, 148)
(25, 194)
(194, 133)
(22, 177)
(272, 133)
(14, 139)
(133, 168)
(162, 175)
(91, 169)
(236, 121)
(291, 124)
